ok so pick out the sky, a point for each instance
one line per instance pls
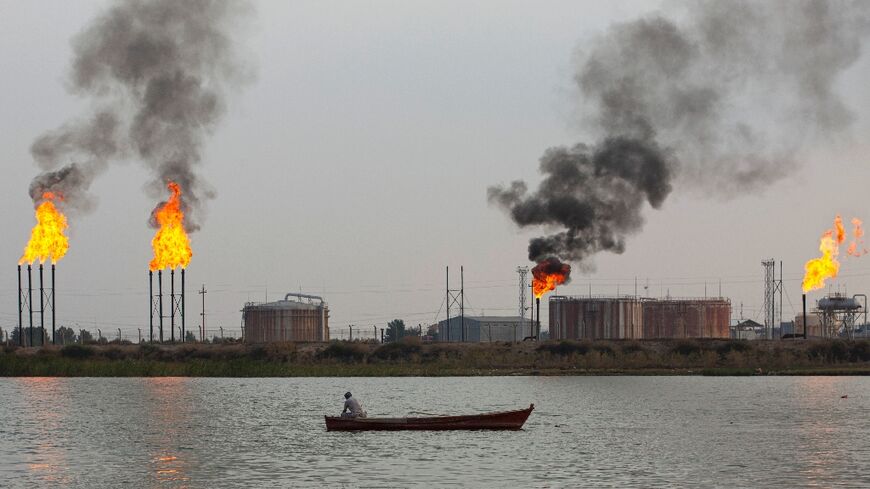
(355, 166)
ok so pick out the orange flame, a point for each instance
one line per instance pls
(548, 274)
(171, 244)
(826, 266)
(841, 231)
(857, 241)
(47, 240)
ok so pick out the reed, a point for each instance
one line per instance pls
(677, 357)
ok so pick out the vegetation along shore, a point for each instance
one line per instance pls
(339, 358)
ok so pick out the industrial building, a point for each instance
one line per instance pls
(631, 317)
(306, 318)
(835, 315)
(484, 329)
(747, 330)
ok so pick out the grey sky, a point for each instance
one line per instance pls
(356, 165)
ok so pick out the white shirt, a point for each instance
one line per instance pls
(353, 405)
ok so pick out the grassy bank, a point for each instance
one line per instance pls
(677, 357)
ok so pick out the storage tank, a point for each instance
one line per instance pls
(838, 302)
(686, 318)
(595, 318)
(304, 319)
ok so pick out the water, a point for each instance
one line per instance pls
(585, 431)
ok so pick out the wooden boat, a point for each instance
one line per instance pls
(504, 420)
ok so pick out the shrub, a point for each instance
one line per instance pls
(632, 347)
(112, 353)
(182, 353)
(280, 351)
(257, 353)
(343, 351)
(439, 351)
(147, 350)
(739, 346)
(686, 348)
(861, 351)
(396, 351)
(76, 351)
(565, 347)
(833, 350)
(603, 349)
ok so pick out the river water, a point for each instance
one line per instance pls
(585, 432)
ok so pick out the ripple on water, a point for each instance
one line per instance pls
(585, 431)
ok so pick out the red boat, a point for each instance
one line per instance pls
(504, 420)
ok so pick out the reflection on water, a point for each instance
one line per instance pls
(585, 431)
(40, 413)
(819, 410)
(165, 400)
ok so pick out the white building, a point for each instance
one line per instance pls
(485, 329)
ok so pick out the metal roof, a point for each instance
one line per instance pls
(491, 319)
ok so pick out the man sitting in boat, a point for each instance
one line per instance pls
(352, 409)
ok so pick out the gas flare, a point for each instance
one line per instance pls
(548, 274)
(826, 266)
(857, 239)
(841, 231)
(171, 244)
(47, 240)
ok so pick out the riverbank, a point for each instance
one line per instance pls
(347, 359)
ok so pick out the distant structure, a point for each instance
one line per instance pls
(631, 317)
(304, 319)
(596, 317)
(748, 330)
(813, 326)
(835, 316)
(524, 286)
(484, 329)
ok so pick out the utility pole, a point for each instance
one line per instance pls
(202, 292)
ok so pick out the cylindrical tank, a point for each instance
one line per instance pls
(595, 318)
(285, 320)
(838, 302)
(638, 318)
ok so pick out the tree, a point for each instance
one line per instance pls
(432, 332)
(190, 337)
(65, 335)
(37, 332)
(86, 337)
(395, 331)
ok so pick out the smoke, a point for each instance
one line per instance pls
(721, 97)
(157, 73)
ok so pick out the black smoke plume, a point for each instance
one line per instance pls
(721, 99)
(157, 72)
